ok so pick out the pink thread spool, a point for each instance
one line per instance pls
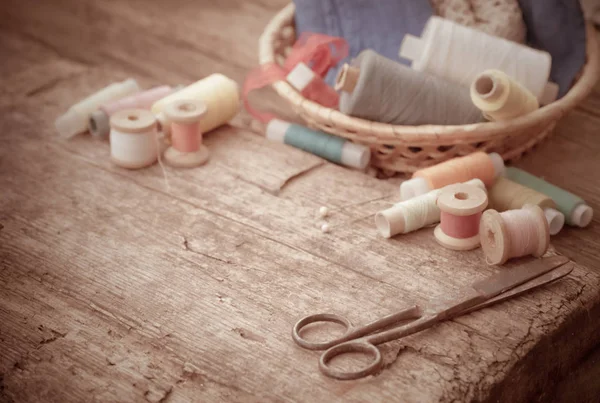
(461, 206)
(187, 150)
(99, 120)
(514, 233)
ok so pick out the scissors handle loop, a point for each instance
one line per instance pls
(321, 317)
(359, 346)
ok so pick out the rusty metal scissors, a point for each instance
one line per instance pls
(505, 284)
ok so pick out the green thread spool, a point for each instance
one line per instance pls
(324, 145)
(576, 211)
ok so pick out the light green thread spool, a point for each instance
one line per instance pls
(332, 148)
(576, 211)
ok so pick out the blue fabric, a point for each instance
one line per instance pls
(558, 27)
(366, 24)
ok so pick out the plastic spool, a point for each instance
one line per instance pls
(312, 86)
(459, 53)
(500, 97)
(575, 209)
(99, 124)
(219, 93)
(324, 145)
(497, 237)
(508, 195)
(477, 165)
(133, 138)
(461, 206)
(187, 150)
(413, 214)
(76, 119)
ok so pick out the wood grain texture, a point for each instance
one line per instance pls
(121, 286)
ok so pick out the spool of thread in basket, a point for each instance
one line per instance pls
(476, 165)
(508, 195)
(461, 206)
(99, 124)
(219, 93)
(411, 215)
(459, 53)
(133, 138)
(500, 97)
(187, 150)
(513, 233)
(576, 211)
(379, 89)
(75, 120)
(332, 148)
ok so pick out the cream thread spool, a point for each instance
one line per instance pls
(133, 138)
(508, 195)
(457, 170)
(500, 97)
(458, 53)
(218, 92)
(411, 215)
(513, 233)
(461, 206)
(186, 150)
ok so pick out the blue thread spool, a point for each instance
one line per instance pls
(332, 148)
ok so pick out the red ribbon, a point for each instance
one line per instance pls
(319, 52)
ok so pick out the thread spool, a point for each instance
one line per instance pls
(379, 89)
(186, 150)
(219, 93)
(99, 124)
(459, 53)
(457, 170)
(508, 195)
(133, 138)
(575, 209)
(461, 206)
(413, 214)
(75, 120)
(324, 145)
(513, 233)
(500, 97)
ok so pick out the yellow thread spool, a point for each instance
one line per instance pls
(219, 93)
(500, 97)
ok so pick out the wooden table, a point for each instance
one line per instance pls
(123, 286)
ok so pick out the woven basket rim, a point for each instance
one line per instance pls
(382, 133)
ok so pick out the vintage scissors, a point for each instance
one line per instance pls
(505, 284)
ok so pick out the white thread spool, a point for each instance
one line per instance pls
(133, 138)
(413, 214)
(458, 53)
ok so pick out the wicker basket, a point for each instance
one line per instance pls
(409, 148)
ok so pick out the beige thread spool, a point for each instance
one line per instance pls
(461, 206)
(133, 138)
(186, 150)
(508, 195)
(497, 233)
(500, 97)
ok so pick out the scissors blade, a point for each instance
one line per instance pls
(507, 279)
(547, 278)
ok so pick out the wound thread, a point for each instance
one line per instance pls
(379, 89)
(500, 97)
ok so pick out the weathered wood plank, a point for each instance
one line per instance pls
(121, 288)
